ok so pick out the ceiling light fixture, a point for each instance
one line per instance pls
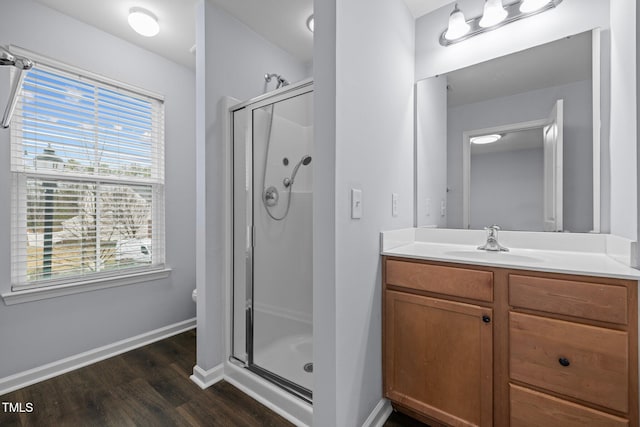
(495, 16)
(485, 139)
(143, 22)
(310, 23)
(458, 26)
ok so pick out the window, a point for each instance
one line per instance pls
(87, 159)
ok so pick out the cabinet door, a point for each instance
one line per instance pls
(438, 358)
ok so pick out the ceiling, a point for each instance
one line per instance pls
(283, 22)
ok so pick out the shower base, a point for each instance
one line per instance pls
(287, 357)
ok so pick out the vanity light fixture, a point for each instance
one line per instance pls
(485, 139)
(495, 16)
(310, 23)
(458, 26)
(143, 22)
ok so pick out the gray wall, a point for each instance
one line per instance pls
(534, 105)
(506, 189)
(431, 151)
(364, 139)
(36, 333)
(638, 128)
(231, 61)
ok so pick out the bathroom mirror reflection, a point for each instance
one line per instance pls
(519, 187)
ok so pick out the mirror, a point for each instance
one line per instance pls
(539, 175)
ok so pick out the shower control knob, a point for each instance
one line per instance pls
(270, 196)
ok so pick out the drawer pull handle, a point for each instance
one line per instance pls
(564, 361)
(486, 319)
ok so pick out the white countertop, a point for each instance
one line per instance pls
(569, 253)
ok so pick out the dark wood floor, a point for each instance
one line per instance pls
(149, 386)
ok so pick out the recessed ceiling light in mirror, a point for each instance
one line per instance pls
(485, 139)
(143, 22)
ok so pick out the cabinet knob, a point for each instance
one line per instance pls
(486, 319)
(564, 361)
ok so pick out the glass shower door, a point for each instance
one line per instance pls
(273, 202)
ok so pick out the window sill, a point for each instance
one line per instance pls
(36, 294)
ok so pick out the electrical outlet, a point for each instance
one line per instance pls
(428, 207)
(394, 204)
(443, 207)
(356, 203)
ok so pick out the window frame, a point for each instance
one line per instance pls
(46, 288)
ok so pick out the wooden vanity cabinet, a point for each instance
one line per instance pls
(467, 345)
(573, 351)
(438, 351)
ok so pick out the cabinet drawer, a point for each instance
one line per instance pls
(585, 362)
(459, 282)
(595, 301)
(533, 409)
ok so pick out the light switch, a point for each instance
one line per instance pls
(356, 203)
(394, 204)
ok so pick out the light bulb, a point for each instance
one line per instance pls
(532, 5)
(458, 26)
(493, 14)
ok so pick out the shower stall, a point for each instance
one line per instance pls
(272, 273)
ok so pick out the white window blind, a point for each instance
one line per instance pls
(87, 159)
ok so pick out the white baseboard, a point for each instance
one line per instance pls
(59, 367)
(379, 414)
(207, 378)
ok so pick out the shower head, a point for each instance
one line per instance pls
(304, 161)
(282, 82)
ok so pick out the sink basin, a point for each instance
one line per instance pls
(493, 256)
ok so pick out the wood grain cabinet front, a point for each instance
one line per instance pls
(573, 351)
(467, 345)
(438, 358)
(580, 361)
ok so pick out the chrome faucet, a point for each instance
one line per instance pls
(492, 240)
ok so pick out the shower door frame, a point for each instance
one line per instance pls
(274, 97)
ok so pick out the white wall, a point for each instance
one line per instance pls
(364, 139)
(33, 334)
(506, 189)
(431, 151)
(624, 202)
(637, 261)
(231, 60)
(529, 106)
(325, 357)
